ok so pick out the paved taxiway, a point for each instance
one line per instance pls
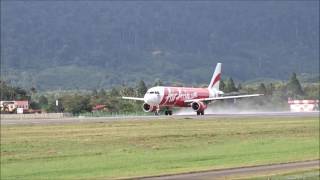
(68, 120)
(244, 171)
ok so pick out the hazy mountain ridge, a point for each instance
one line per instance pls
(69, 44)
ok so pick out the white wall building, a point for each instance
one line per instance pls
(303, 105)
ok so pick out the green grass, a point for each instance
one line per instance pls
(139, 148)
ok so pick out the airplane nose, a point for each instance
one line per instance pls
(152, 99)
(146, 99)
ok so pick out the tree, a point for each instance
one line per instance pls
(94, 93)
(76, 104)
(270, 89)
(180, 84)
(51, 106)
(114, 92)
(20, 94)
(43, 101)
(33, 90)
(141, 88)
(9, 92)
(294, 88)
(127, 91)
(230, 86)
(5, 91)
(222, 85)
(101, 93)
(312, 91)
(34, 105)
(158, 82)
(262, 89)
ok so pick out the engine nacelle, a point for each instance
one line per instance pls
(148, 108)
(198, 106)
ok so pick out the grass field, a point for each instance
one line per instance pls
(139, 148)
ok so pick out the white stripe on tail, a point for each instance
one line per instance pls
(215, 81)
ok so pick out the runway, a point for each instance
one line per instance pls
(68, 120)
(244, 171)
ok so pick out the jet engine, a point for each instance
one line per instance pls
(198, 106)
(148, 108)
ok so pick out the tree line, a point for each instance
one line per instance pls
(76, 102)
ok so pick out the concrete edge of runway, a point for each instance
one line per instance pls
(245, 170)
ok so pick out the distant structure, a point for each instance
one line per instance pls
(14, 106)
(99, 107)
(303, 105)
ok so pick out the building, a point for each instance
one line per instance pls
(303, 105)
(22, 104)
(12, 106)
(99, 107)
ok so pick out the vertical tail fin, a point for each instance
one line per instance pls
(215, 81)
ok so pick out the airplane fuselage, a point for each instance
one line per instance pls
(174, 96)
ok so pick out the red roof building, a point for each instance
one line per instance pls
(22, 104)
(100, 107)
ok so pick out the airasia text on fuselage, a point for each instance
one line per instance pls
(177, 95)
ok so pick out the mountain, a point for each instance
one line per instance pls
(95, 44)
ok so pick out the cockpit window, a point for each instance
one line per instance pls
(154, 92)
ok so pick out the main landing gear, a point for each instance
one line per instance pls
(168, 112)
(200, 113)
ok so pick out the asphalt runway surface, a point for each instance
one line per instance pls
(68, 120)
(242, 171)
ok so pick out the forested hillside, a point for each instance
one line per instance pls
(101, 44)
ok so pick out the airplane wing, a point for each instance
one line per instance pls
(133, 98)
(222, 98)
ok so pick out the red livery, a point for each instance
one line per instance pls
(161, 97)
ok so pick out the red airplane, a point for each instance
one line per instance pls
(161, 97)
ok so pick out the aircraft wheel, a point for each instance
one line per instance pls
(170, 113)
(166, 113)
(200, 113)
